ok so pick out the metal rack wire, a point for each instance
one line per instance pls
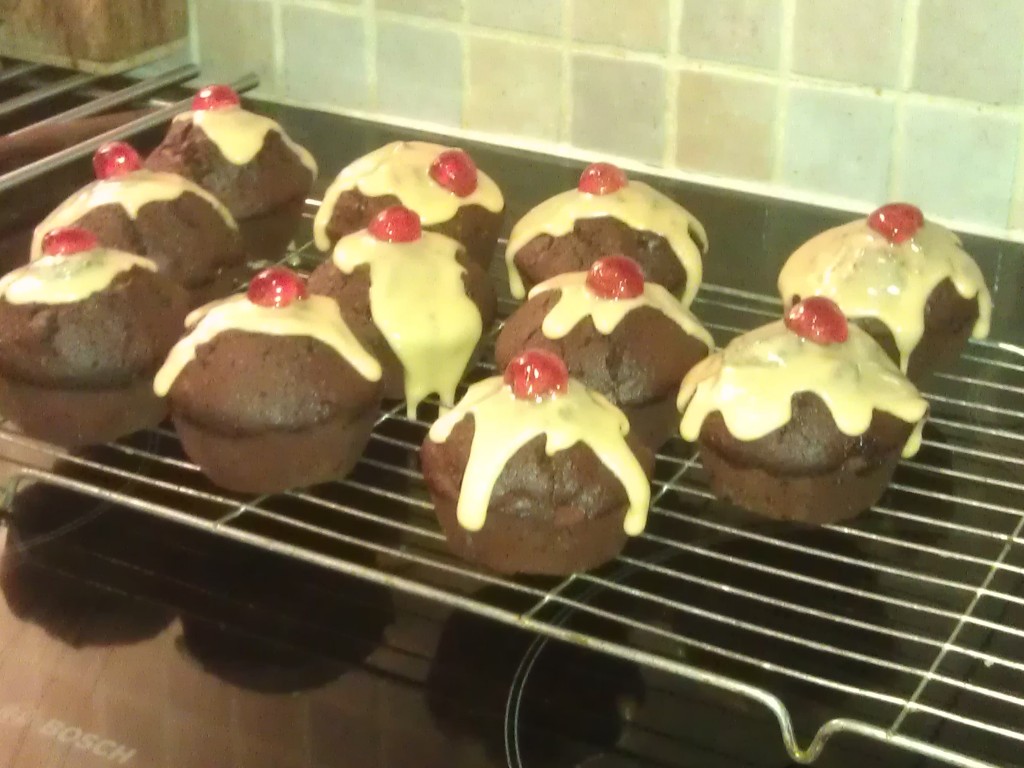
(42, 94)
(903, 626)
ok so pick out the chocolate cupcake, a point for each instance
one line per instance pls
(442, 185)
(190, 236)
(270, 389)
(247, 161)
(906, 281)
(803, 419)
(414, 298)
(82, 331)
(533, 473)
(629, 340)
(608, 213)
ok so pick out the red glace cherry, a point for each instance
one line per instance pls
(396, 224)
(454, 170)
(115, 159)
(65, 241)
(616, 277)
(602, 179)
(215, 97)
(536, 374)
(276, 287)
(818, 319)
(898, 222)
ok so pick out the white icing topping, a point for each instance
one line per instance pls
(418, 301)
(67, 279)
(867, 276)
(577, 302)
(636, 205)
(132, 192)
(316, 316)
(503, 424)
(239, 134)
(402, 169)
(753, 380)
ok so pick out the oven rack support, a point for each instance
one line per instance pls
(75, 84)
(406, 553)
(940, 572)
(526, 620)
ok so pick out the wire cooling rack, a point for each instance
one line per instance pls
(904, 626)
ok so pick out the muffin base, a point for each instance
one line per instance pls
(508, 544)
(653, 423)
(266, 237)
(76, 417)
(224, 284)
(820, 499)
(949, 321)
(272, 462)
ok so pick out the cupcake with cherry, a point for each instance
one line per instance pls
(191, 237)
(803, 419)
(532, 472)
(441, 184)
(270, 389)
(905, 280)
(83, 328)
(245, 160)
(415, 298)
(608, 213)
(620, 335)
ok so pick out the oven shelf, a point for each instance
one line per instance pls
(904, 626)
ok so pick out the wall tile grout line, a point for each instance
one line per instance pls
(911, 18)
(1015, 219)
(565, 125)
(370, 31)
(784, 80)
(277, 30)
(467, 65)
(675, 21)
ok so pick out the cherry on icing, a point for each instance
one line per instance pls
(276, 287)
(536, 374)
(455, 170)
(215, 97)
(818, 319)
(396, 224)
(602, 179)
(115, 159)
(616, 277)
(65, 241)
(898, 222)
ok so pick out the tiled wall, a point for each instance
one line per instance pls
(848, 102)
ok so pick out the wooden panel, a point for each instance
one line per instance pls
(92, 35)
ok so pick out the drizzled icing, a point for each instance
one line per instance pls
(418, 301)
(503, 424)
(402, 169)
(131, 192)
(239, 134)
(316, 316)
(577, 302)
(636, 205)
(67, 279)
(867, 276)
(753, 380)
